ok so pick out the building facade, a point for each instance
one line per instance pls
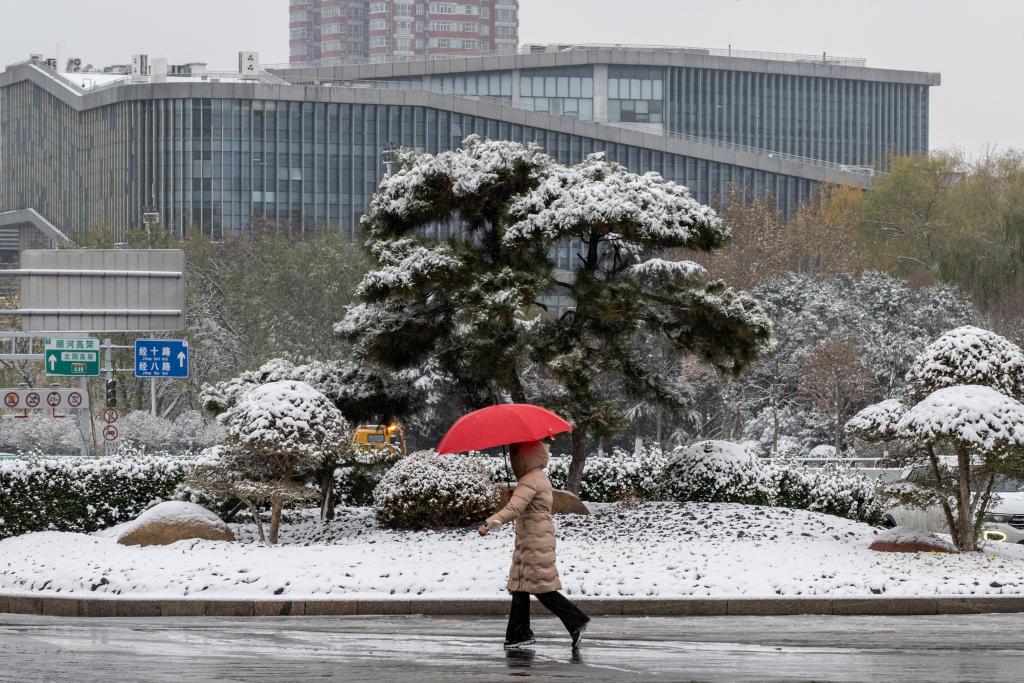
(325, 32)
(307, 147)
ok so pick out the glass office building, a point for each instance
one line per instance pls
(307, 147)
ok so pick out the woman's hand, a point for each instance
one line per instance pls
(483, 530)
(488, 527)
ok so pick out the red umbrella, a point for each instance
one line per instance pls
(501, 424)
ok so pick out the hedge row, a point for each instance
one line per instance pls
(83, 495)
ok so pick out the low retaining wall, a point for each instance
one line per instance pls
(689, 607)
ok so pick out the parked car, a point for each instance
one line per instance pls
(1004, 521)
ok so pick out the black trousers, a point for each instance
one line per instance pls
(519, 616)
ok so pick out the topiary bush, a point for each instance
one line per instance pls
(430, 491)
(82, 495)
(716, 472)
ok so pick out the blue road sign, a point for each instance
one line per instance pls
(161, 358)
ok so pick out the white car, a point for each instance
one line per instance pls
(1004, 521)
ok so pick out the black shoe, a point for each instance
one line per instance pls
(519, 644)
(577, 637)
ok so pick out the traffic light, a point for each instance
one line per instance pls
(111, 393)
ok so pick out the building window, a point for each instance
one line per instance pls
(328, 12)
(378, 24)
(441, 26)
(331, 46)
(485, 12)
(378, 7)
(403, 10)
(442, 8)
(328, 29)
(469, 27)
(507, 32)
(299, 32)
(378, 41)
(300, 15)
(505, 15)
(469, 44)
(404, 44)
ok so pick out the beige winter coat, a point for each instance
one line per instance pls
(533, 562)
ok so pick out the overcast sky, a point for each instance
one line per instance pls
(977, 45)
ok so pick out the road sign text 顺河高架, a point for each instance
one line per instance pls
(72, 357)
(161, 358)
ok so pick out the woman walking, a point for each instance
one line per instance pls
(533, 569)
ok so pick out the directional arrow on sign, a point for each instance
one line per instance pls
(53, 362)
(181, 359)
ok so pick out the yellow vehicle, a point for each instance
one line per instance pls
(379, 437)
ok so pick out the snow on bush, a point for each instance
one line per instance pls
(79, 494)
(716, 472)
(278, 434)
(822, 452)
(843, 492)
(615, 477)
(40, 432)
(430, 491)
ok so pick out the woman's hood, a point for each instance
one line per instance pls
(532, 456)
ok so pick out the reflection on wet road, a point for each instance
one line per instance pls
(436, 649)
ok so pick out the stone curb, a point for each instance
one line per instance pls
(689, 607)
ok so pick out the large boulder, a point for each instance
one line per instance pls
(905, 539)
(174, 521)
(565, 503)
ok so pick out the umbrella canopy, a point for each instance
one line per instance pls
(501, 424)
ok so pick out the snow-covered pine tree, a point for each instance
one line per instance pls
(623, 283)
(453, 300)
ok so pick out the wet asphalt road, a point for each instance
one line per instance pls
(436, 649)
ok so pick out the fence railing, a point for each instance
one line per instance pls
(528, 49)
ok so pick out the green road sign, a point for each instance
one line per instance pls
(77, 357)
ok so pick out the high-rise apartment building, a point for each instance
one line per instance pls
(335, 31)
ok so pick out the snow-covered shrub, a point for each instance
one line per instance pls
(193, 431)
(188, 432)
(842, 491)
(716, 472)
(610, 478)
(791, 483)
(354, 485)
(79, 494)
(278, 435)
(430, 491)
(822, 451)
(143, 428)
(833, 490)
(40, 432)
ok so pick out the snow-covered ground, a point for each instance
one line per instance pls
(655, 550)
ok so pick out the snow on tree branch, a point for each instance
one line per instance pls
(406, 264)
(597, 192)
(973, 417)
(878, 422)
(968, 355)
(659, 270)
(430, 187)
